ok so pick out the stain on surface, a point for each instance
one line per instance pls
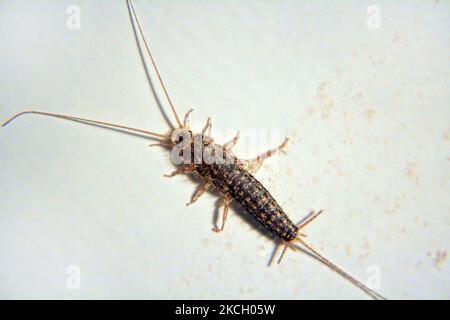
(323, 97)
(348, 250)
(366, 251)
(440, 258)
(369, 115)
(395, 207)
(411, 172)
(334, 165)
(446, 136)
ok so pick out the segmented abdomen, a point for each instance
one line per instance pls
(245, 189)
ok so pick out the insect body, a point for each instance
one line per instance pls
(244, 188)
(233, 179)
(222, 171)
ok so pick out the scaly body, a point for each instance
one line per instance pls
(234, 180)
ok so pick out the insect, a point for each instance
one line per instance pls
(221, 171)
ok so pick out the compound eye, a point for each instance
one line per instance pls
(180, 139)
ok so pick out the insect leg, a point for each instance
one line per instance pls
(256, 163)
(282, 253)
(182, 170)
(186, 118)
(307, 220)
(200, 191)
(207, 127)
(230, 144)
(227, 200)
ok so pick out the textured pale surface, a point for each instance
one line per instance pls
(367, 111)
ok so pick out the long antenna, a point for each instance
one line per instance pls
(335, 268)
(107, 124)
(154, 64)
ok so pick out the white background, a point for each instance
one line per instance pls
(367, 112)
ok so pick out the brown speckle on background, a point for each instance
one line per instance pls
(440, 258)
